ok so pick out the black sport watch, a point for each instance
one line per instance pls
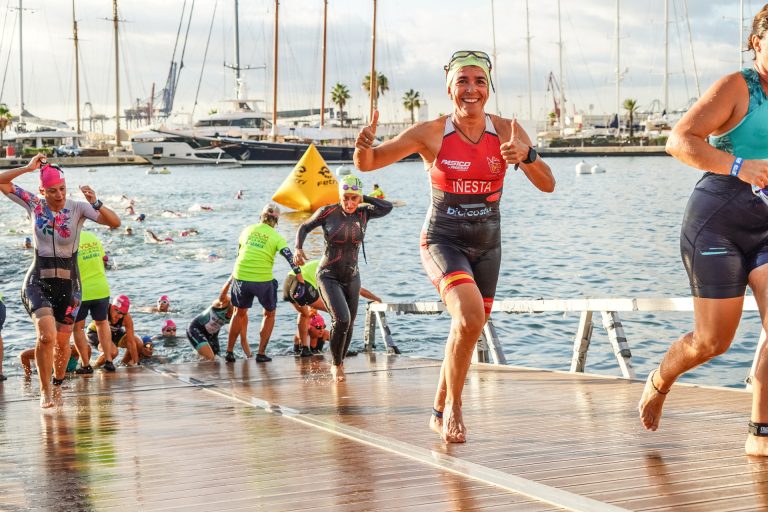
(532, 156)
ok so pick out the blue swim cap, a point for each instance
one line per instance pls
(146, 339)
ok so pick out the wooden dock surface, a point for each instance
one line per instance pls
(280, 436)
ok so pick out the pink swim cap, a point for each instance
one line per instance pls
(167, 324)
(51, 175)
(122, 303)
(317, 322)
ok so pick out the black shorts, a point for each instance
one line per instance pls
(98, 308)
(462, 252)
(117, 338)
(198, 337)
(2, 315)
(289, 286)
(62, 296)
(243, 293)
(724, 237)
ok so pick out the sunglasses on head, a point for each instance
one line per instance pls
(349, 187)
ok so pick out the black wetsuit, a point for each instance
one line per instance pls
(338, 277)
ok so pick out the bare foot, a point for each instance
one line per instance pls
(651, 403)
(337, 372)
(436, 424)
(46, 398)
(756, 445)
(453, 430)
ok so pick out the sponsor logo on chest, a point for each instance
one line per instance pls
(456, 165)
(471, 186)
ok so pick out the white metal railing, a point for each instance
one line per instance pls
(489, 347)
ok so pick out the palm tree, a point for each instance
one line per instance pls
(339, 96)
(411, 101)
(382, 86)
(5, 120)
(630, 106)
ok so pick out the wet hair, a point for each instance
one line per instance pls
(759, 28)
(266, 218)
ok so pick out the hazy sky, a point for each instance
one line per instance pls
(415, 39)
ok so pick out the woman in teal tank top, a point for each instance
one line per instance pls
(724, 236)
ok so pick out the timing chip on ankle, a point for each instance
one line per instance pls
(758, 429)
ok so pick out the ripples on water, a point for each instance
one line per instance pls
(605, 235)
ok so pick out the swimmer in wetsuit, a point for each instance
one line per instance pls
(338, 277)
(466, 154)
(203, 330)
(724, 236)
(51, 290)
(304, 300)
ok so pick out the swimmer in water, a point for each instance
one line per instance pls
(151, 238)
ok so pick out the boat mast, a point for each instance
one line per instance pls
(373, 82)
(562, 80)
(77, 67)
(117, 77)
(528, 48)
(495, 67)
(273, 135)
(21, 65)
(322, 87)
(236, 67)
(690, 44)
(741, 34)
(618, 70)
(666, 56)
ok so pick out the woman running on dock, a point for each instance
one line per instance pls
(466, 154)
(338, 276)
(51, 291)
(724, 236)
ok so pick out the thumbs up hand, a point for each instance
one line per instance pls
(368, 134)
(515, 150)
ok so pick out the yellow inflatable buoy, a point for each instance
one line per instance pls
(310, 185)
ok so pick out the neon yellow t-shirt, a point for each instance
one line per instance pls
(258, 245)
(90, 262)
(309, 272)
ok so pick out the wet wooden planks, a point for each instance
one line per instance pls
(281, 436)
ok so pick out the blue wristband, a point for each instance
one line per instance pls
(736, 166)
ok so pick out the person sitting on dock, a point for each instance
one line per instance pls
(27, 356)
(258, 245)
(467, 153)
(121, 328)
(724, 236)
(203, 330)
(338, 276)
(51, 290)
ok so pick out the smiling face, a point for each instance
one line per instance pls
(469, 90)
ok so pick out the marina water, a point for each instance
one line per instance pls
(597, 236)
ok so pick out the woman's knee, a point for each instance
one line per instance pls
(709, 345)
(469, 322)
(341, 324)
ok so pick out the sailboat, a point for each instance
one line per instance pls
(240, 131)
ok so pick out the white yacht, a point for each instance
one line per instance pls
(171, 148)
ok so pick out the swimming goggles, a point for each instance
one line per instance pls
(349, 187)
(470, 53)
(762, 193)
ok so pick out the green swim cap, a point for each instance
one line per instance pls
(350, 184)
(468, 58)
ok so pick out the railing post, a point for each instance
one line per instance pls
(492, 344)
(756, 360)
(581, 342)
(481, 351)
(385, 333)
(612, 324)
(369, 333)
